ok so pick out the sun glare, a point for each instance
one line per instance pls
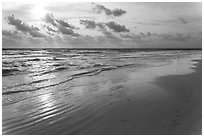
(39, 11)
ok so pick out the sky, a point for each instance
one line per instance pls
(102, 25)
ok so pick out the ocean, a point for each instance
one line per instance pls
(37, 68)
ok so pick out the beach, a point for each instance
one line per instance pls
(162, 99)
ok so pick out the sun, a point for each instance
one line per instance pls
(39, 11)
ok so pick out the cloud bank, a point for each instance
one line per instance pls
(117, 27)
(62, 26)
(99, 30)
(90, 24)
(23, 27)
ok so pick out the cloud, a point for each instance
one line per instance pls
(23, 27)
(127, 35)
(109, 35)
(116, 12)
(149, 36)
(49, 18)
(174, 37)
(183, 21)
(62, 26)
(65, 24)
(67, 31)
(116, 27)
(90, 24)
(37, 34)
(11, 34)
(50, 29)
(182, 37)
(135, 37)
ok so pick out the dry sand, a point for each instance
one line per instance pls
(157, 100)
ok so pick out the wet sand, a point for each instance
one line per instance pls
(187, 90)
(164, 100)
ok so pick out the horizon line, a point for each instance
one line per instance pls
(113, 48)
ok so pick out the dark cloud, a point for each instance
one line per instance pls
(11, 34)
(116, 27)
(20, 25)
(37, 34)
(90, 24)
(67, 31)
(50, 29)
(50, 33)
(23, 27)
(62, 26)
(65, 24)
(49, 18)
(100, 8)
(118, 12)
(183, 21)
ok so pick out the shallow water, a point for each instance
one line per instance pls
(37, 68)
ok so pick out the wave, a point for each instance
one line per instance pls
(109, 68)
(127, 57)
(89, 52)
(38, 88)
(7, 72)
(93, 72)
(77, 75)
(74, 76)
(27, 84)
(36, 59)
(98, 65)
(57, 65)
(7, 62)
(73, 55)
(51, 71)
(25, 56)
(55, 58)
(24, 53)
(126, 65)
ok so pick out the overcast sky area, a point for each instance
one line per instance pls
(102, 25)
